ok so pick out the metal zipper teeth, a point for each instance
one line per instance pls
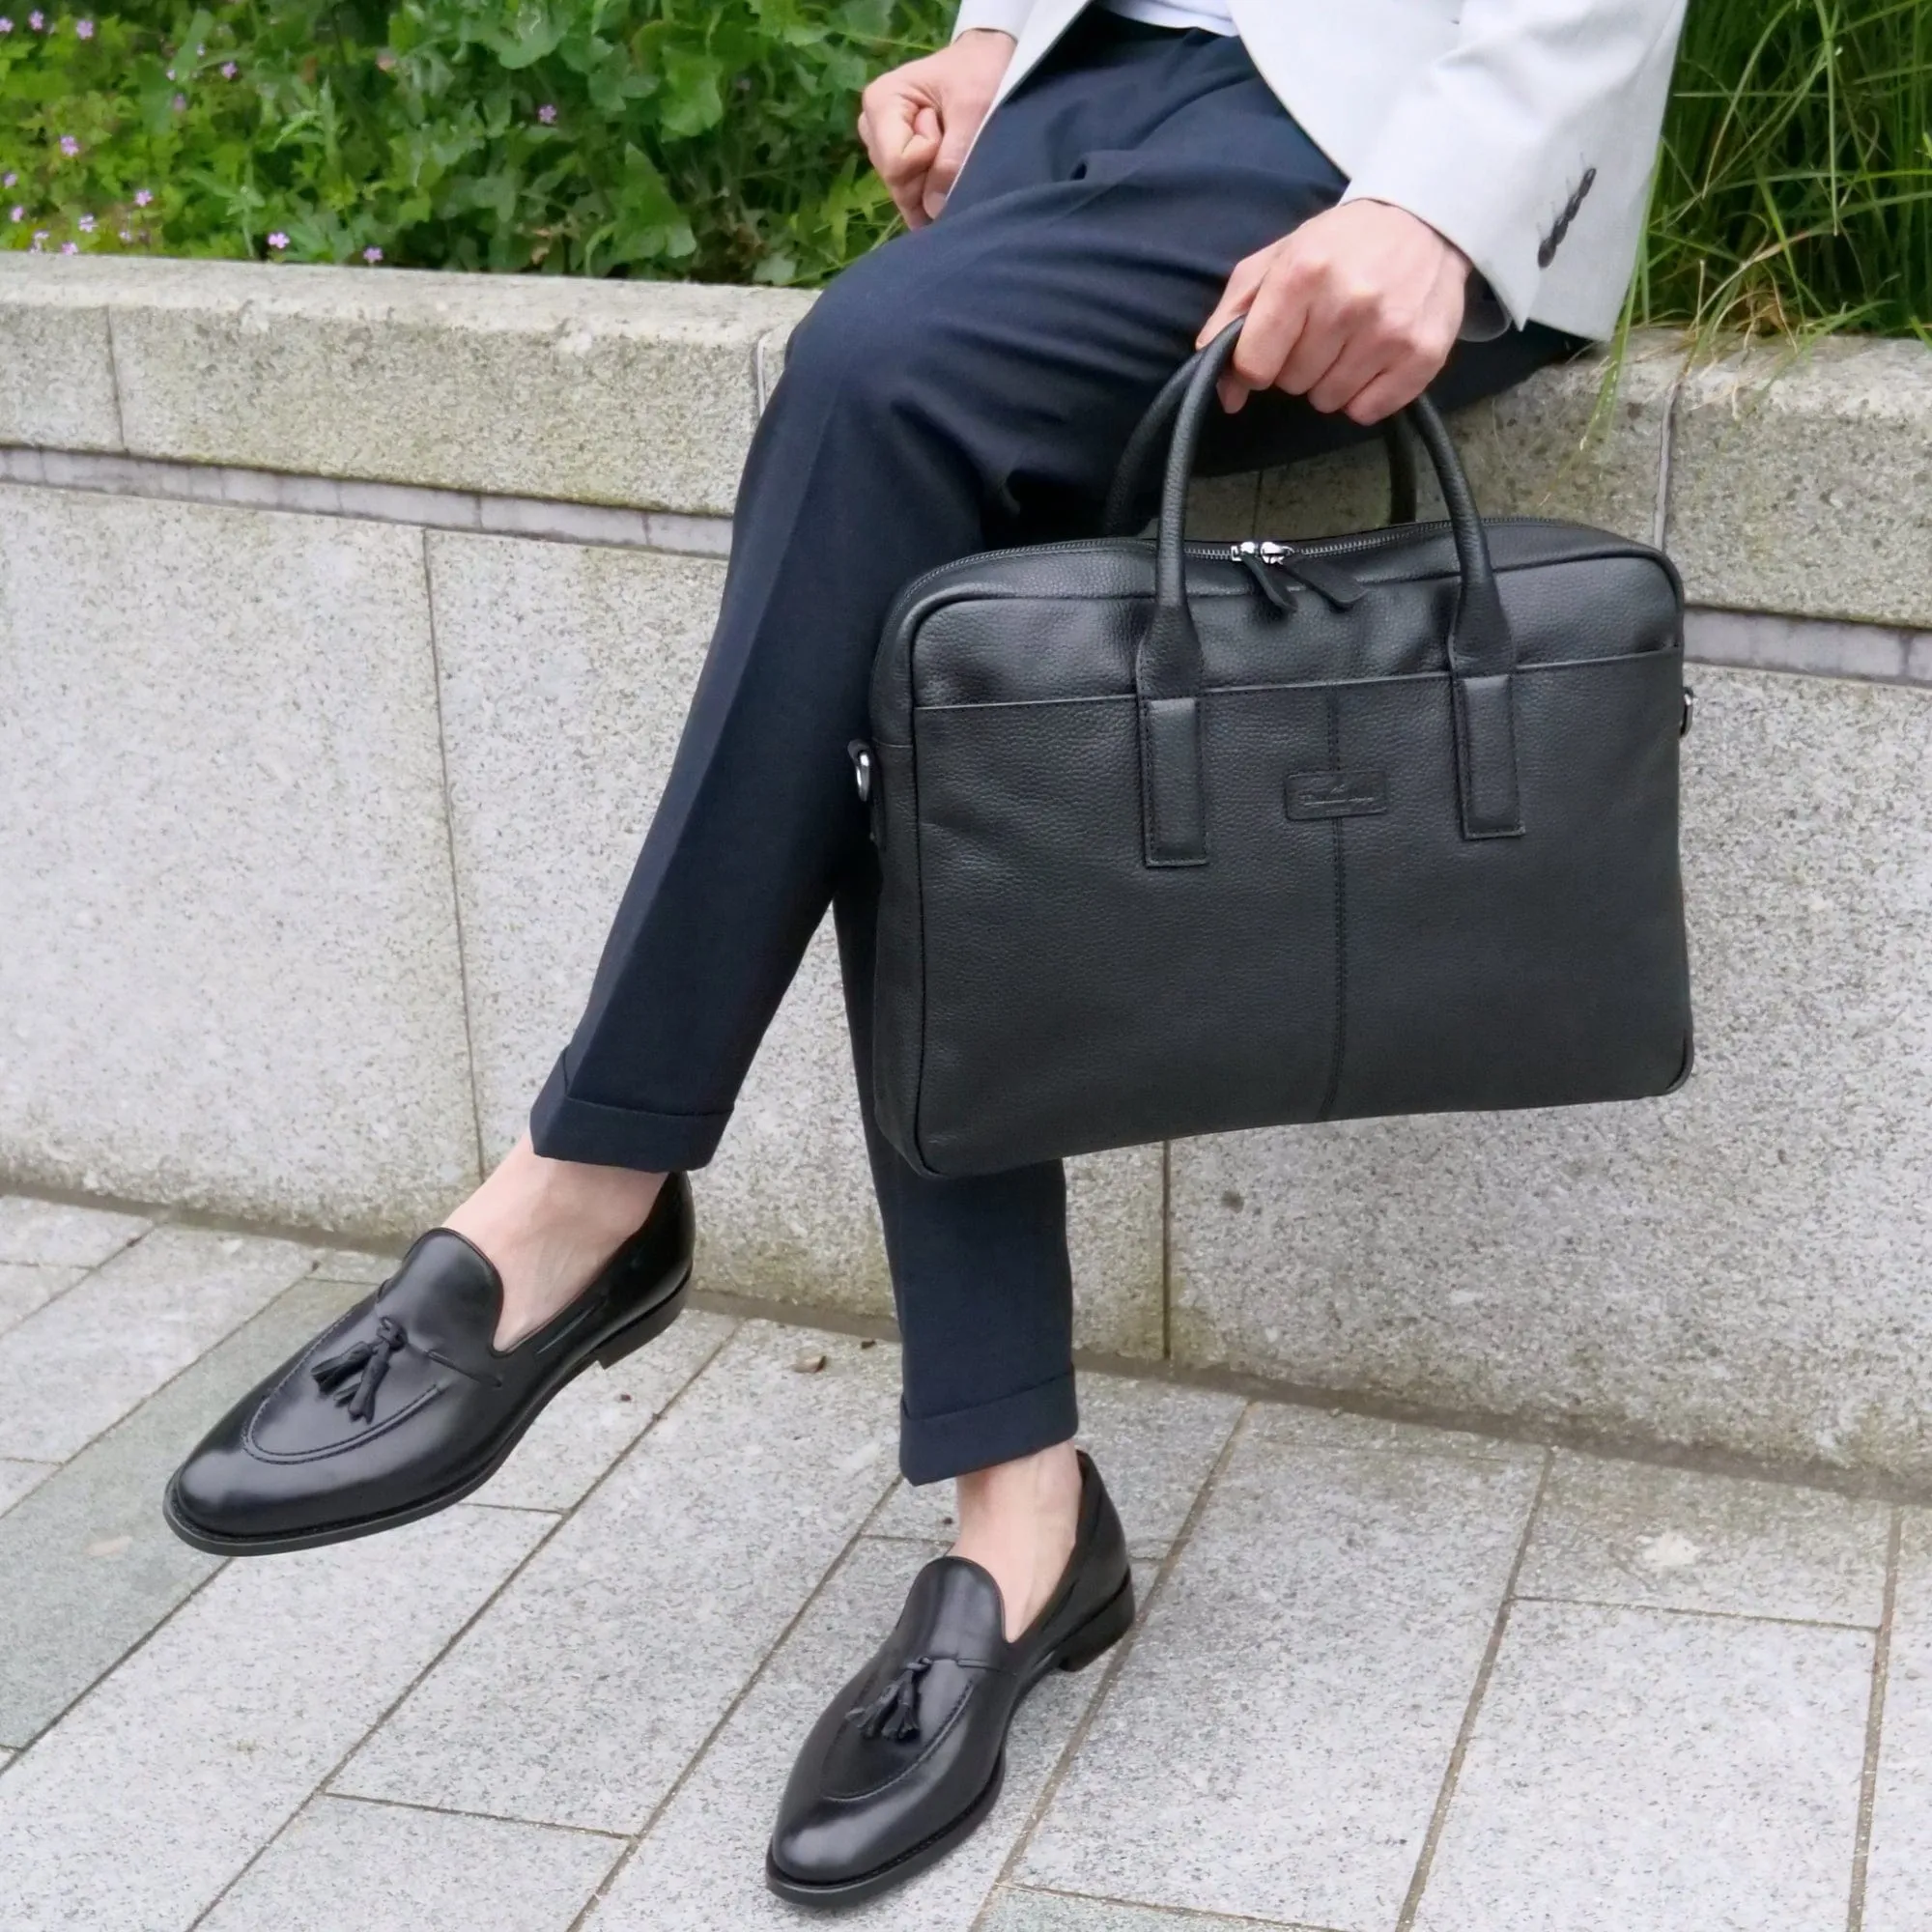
(1207, 551)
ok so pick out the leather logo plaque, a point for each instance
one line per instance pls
(1336, 794)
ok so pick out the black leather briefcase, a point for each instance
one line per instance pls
(1178, 838)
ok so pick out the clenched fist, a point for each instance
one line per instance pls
(917, 120)
(1356, 309)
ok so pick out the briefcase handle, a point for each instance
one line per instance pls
(1479, 650)
(1128, 491)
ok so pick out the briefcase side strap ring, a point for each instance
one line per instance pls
(1480, 652)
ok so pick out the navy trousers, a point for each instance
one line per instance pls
(965, 385)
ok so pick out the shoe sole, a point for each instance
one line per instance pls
(625, 1341)
(1104, 1629)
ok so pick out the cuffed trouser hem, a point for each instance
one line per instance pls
(563, 1127)
(933, 1447)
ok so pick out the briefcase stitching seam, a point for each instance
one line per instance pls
(1664, 654)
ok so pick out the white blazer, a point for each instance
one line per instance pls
(1523, 130)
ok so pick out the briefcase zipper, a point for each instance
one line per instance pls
(1263, 559)
(1318, 547)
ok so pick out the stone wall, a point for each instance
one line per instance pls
(347, 620)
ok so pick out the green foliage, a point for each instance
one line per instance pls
(657, 137)
(714, 142)
(1796, 185)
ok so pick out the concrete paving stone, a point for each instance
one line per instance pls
(1308, 1428)
(56, 1233)
(564, 674)
(592, 1681)
(340, 1863)
(1801, 481)
(1154, 1443)
(700, 1867)
(81, 1363)
(56, 359)
(1021, 1908)
(357, 1265)
(638, 394)
(1222, 508)
(86, 1565)
(231, 976)
(1308, 1664)
(18, 1479)
(1632, 1767)
(1898, 1894)
(1739, 1267)
(152, 1793)
(24, 1288)
(1630, 1533)
(1549, 447)
(599, 1415)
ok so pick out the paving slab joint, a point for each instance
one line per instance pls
(1854, 1916)
(1111, 1668)
(1438, 1817)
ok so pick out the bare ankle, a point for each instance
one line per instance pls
(548, 1226)
(1018, 1520)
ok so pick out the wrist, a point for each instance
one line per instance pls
(1428, 228)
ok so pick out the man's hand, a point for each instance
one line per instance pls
(1356, 310)
(917, 120)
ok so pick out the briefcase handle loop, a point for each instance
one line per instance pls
(1479, 650)
(1147, 446)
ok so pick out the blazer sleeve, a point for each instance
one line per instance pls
(1492, 142)
(1008, 16)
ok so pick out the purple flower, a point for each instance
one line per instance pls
(5, 25)
(39, 233)
(546, 113)
(180, 103)
(70, 247)
(228, 70)
(36, 21)
(9, 178)
(279, 240)
(143, 196)
(126, 235)
(69, 147)
(86, 224)
(372, 254)
(17, 214)
(85, 29)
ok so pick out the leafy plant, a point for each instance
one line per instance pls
(587, 136)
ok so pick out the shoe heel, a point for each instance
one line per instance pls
(1101, 1632)
(633, 1336)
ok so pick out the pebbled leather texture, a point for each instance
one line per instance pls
(1505, 929)
(908, 1758)
(404, 1405)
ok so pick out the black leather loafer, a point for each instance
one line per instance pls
(404, 1405)
(909, 1758)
